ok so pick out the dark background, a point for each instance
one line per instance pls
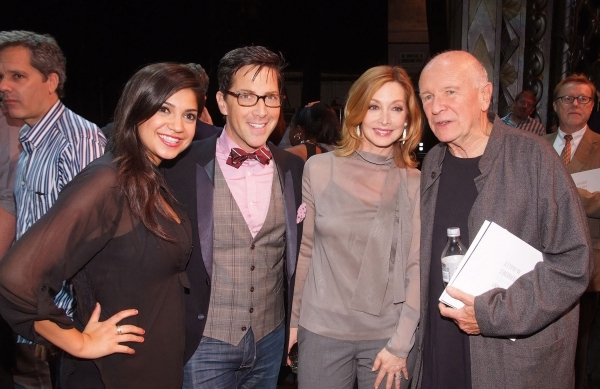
(105, 42)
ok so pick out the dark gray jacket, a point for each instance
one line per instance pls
(524, 188)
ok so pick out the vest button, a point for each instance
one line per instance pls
(432, 174)
(253, 246)
(252, 267)
(251, 310)
(201, 317)
(244, 328)
(252, 289)
(208, 281)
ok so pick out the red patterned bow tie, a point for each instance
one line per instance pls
(238, 156)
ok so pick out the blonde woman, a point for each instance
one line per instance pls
(356, 298)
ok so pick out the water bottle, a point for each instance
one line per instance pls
(452, 255)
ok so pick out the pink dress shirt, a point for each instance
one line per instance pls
(250, 185)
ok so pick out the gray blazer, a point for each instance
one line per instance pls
(524, 188)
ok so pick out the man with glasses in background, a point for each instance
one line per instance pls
(520, 117)
(579, 148)
(242, 196)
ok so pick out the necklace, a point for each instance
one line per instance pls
(310, 142)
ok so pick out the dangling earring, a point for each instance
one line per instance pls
(358, 130)
(404, 132)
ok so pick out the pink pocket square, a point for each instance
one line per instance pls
(301, 213)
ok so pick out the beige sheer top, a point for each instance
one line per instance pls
(342, 289)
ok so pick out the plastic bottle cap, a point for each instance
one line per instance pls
(453, 232)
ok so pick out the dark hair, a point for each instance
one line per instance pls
(525, 92)
(257, 56)
(202, 76)
(46, 56)
(319, 122)
(142, 97)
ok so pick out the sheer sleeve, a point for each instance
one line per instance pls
(306, 245)
(80, 223)
(403, 339)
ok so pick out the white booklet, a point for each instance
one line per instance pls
(588, 180)
(495, 259)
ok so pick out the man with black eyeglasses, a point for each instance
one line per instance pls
(579, 148)
(242, 196)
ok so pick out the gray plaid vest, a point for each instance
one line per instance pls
(247, 276)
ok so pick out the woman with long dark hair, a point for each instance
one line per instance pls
(117, 231)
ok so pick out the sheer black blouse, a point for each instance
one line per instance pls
(90, 235)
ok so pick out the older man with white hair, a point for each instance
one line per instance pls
(485, 170)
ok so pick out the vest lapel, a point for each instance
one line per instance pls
(289, 203)
(204, 205)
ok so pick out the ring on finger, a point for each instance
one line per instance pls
(119, 330)
(398, 377)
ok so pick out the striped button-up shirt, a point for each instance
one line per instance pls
(529, 124)
(55, 149)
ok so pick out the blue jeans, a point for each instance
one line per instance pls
(250, 364)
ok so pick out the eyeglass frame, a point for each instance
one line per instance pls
(264, 98)
(561, 98)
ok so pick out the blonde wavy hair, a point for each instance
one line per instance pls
(359, 99)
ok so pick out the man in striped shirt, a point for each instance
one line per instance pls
(56, 143)
(520, 117)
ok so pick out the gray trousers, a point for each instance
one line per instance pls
(328, 363)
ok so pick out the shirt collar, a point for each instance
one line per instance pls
(376, 159)
(32, 137)
(510, 122)
(577, 135)
(226, 143)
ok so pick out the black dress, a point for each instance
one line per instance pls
(311, 149)
(91, 235)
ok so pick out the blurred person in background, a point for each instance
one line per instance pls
(314, 130)
(520, 116)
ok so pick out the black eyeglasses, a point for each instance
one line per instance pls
(247, 99)
(566, 100)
